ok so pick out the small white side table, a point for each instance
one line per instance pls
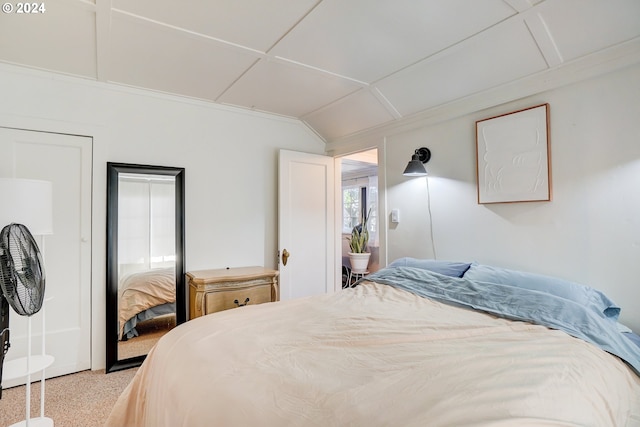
(355, 275)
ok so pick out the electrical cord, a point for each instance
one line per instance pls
(433, 243)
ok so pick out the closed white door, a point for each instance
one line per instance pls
(306, 220)
(65, 160)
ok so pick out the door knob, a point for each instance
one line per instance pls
(285, 256)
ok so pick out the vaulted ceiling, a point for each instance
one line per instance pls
(341, 66)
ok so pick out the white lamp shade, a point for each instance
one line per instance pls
(28, 202)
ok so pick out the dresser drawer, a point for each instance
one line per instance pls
(219, 289)
(218, 301)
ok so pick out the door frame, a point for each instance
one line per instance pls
(383, 223)
(85, 242)
(100, 136)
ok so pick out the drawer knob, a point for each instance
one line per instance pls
(246, 301)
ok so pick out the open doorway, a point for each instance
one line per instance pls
(359, 195)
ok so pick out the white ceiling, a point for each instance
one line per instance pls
(341, 66)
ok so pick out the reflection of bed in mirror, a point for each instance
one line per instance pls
(144, 296)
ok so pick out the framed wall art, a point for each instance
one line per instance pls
(513, 157)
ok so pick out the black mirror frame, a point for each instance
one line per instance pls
(113, 172)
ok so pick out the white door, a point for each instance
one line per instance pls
(65, 160)
(306, 224)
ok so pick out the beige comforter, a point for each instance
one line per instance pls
(141, 291)
(374, 356)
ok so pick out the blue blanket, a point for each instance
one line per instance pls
(515, 303)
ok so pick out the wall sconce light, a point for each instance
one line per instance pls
(416, 165)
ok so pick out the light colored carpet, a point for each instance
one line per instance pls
(83, 399)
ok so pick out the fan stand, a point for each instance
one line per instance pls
(26, 366)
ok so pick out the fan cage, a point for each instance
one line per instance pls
(22, 276)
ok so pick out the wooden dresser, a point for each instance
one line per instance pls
(225, 288)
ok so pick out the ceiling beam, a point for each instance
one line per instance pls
(590, 66)
(103, 28)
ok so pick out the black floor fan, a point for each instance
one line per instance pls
(22, 281)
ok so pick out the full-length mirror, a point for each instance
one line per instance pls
(145, 259)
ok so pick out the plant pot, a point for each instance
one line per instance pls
(359, 261)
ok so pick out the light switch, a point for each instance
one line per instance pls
(395, 216)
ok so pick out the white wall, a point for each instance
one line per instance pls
(589, 233)
(229, 156)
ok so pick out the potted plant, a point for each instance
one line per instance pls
(359, 257)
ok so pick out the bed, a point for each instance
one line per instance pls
(407, 346)
(145, 295)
